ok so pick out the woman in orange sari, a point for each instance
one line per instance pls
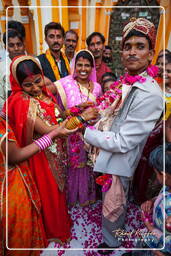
(25, 228)
(33, 112)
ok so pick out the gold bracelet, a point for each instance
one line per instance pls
(67, 112)
(73, 123)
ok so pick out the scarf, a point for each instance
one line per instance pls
(54, 65)
(25, 112)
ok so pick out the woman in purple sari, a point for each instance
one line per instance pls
(79, 88)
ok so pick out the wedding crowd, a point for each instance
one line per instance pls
(72, 132)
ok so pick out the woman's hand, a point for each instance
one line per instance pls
(90, 113)
(84, 105)
(147, 206)
(61, 131)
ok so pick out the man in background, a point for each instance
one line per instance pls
(107, 54)
(71, 40)
(54, 63)
(95, 43)
(14, 44)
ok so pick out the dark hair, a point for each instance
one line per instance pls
(111, 74)
(107, 80)
(107, 47)
(156, 158)
(137, 33)
(11, 33)
(72, 32)
(90, 37)
(26, 68)
(166, 52)
(85, 55)
(54, 25)
(167, 57)
(18, 26)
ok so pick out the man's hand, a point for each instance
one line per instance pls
(90, 113)
(84, 105)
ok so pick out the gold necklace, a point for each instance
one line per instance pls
(81, 94)
(39, 97)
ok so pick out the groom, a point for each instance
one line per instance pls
(121, 146)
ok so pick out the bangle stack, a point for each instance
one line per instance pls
(73, 123)
(3, 115)
(82, 120)
(43, 142)
(67, 112)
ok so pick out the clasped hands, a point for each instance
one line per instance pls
(90, 112)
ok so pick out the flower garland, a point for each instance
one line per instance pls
(102, 103)
(111, 95)
(105, 181)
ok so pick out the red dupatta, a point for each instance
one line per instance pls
(21, 118)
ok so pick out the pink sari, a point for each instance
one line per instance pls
(80, 177)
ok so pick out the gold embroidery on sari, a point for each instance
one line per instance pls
(32, 113)
(56, 153)
(62, 94)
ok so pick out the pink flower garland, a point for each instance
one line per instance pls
(102, 103)
(75, 111)
(109, 96)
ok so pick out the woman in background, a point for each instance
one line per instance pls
(79, 89)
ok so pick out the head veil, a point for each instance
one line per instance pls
(92, 76)
(15, 86)
(19, 106)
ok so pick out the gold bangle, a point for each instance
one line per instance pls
(67, 112)
(73, 123)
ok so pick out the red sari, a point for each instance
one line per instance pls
(25, 228)
(48, 166)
